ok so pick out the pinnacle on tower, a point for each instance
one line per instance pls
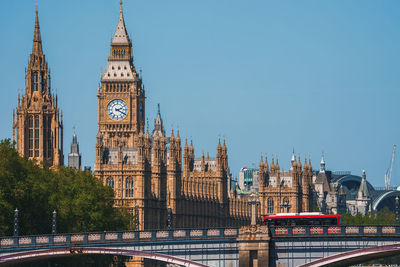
(299, 162)
(293, 157)
(74, 138)
(74, 157)
(158, 124)
(121, 36)
(37, 39)
(322, 164)
(363, 191)
(186, 144)
(293, 161)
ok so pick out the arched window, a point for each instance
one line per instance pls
(35, 81)
(42, 81)
(270, 206)
(110, 182)
(30, 136)
(129, 187)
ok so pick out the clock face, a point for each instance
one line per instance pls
(117, 109)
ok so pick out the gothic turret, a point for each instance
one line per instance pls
(158, 124)
(38, 121)
(363, 200)
(224, 157)
(277, 167)
(266, 166)
(74, 157)
(261, 173)
(186, 158)
(363, 191)
(273, 165)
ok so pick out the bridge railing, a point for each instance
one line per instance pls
(77, 239)
(342, 230)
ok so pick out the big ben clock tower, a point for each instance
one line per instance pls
(121, 112)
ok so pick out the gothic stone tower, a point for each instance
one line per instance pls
(285, 192)
(147, 172)
(74, 157)
(121, 147)
(39, 124)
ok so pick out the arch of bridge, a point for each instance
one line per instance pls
(356, 256)
(382, 197)
(62, 252)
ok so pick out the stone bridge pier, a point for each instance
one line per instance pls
(253, 241)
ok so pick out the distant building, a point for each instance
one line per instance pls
(248, 179)
(342, 192)
(330, 196)
(74, 158)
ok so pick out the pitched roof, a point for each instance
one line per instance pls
(323, 179)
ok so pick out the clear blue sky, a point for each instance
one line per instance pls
(267, 75)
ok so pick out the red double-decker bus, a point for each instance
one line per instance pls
(307, 218)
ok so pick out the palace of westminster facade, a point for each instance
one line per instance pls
(150, 174)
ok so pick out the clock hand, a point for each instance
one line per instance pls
(119, 109)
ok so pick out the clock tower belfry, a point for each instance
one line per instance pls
(120, 94)
(121, 113)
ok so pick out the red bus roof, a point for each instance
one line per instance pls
(302, 216)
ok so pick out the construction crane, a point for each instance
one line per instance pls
(388, 174)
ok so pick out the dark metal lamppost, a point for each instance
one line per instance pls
(124, 161)
(16, 222)
(396, 218)
(54, 223)
(136, 218)
(169, 217)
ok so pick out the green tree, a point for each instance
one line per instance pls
(383, 217)
(81, 201)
